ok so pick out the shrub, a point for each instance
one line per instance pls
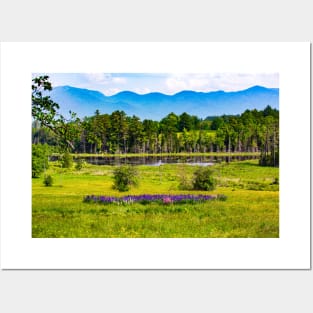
(40, 155)
(124, 177)
(203, 179)
(66, 160)
(48, 181)
(80, 163)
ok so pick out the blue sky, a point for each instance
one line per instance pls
(112, 83)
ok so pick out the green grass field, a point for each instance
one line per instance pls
(250, 210)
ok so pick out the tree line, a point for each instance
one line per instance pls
(115, 133)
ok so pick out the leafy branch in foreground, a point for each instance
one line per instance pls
(45, 111)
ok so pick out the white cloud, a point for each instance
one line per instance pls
(119, 80)
(220, 81)
(175, 84)
(165, 83)
(104, 79)
(235, 81)
(197, 82)
(99, 78)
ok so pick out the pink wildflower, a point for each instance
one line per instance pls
(167, 200)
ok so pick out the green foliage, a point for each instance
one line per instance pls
(45, 113)
(43, 108)
(66, 160)
(125, 176)
(48, 181)
(79, 164)
(117, 133)
(185, 122)
(203, 179)
(40, 155)
(217, 123)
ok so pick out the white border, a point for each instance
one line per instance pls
(290, 251)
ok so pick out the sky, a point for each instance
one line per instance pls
(142, 83)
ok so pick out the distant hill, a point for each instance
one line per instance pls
(156, 105)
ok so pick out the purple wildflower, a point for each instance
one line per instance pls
(146, 198)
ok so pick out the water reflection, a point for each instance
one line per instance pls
(160, 160)
(188, 163)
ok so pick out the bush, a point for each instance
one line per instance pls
(203, 179)
(40, 155)
(80, 163)
(48, 181)
(124, 177)
(66, 160)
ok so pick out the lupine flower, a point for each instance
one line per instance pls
(166, 199)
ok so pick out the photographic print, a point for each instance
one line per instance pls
(155, 155)
(152, 155)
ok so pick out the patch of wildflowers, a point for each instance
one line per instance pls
(146, 198)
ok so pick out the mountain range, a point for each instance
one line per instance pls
(156, 105)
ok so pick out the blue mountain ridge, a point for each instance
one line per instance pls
(156, 105)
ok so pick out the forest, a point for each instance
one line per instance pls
(117, 133)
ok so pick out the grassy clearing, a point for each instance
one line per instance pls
(251, 208)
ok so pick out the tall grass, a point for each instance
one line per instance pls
(251, 208)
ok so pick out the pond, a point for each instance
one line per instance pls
(161, 160)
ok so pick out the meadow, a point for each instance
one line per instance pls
(251, 208)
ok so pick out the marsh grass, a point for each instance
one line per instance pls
(251, 208)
